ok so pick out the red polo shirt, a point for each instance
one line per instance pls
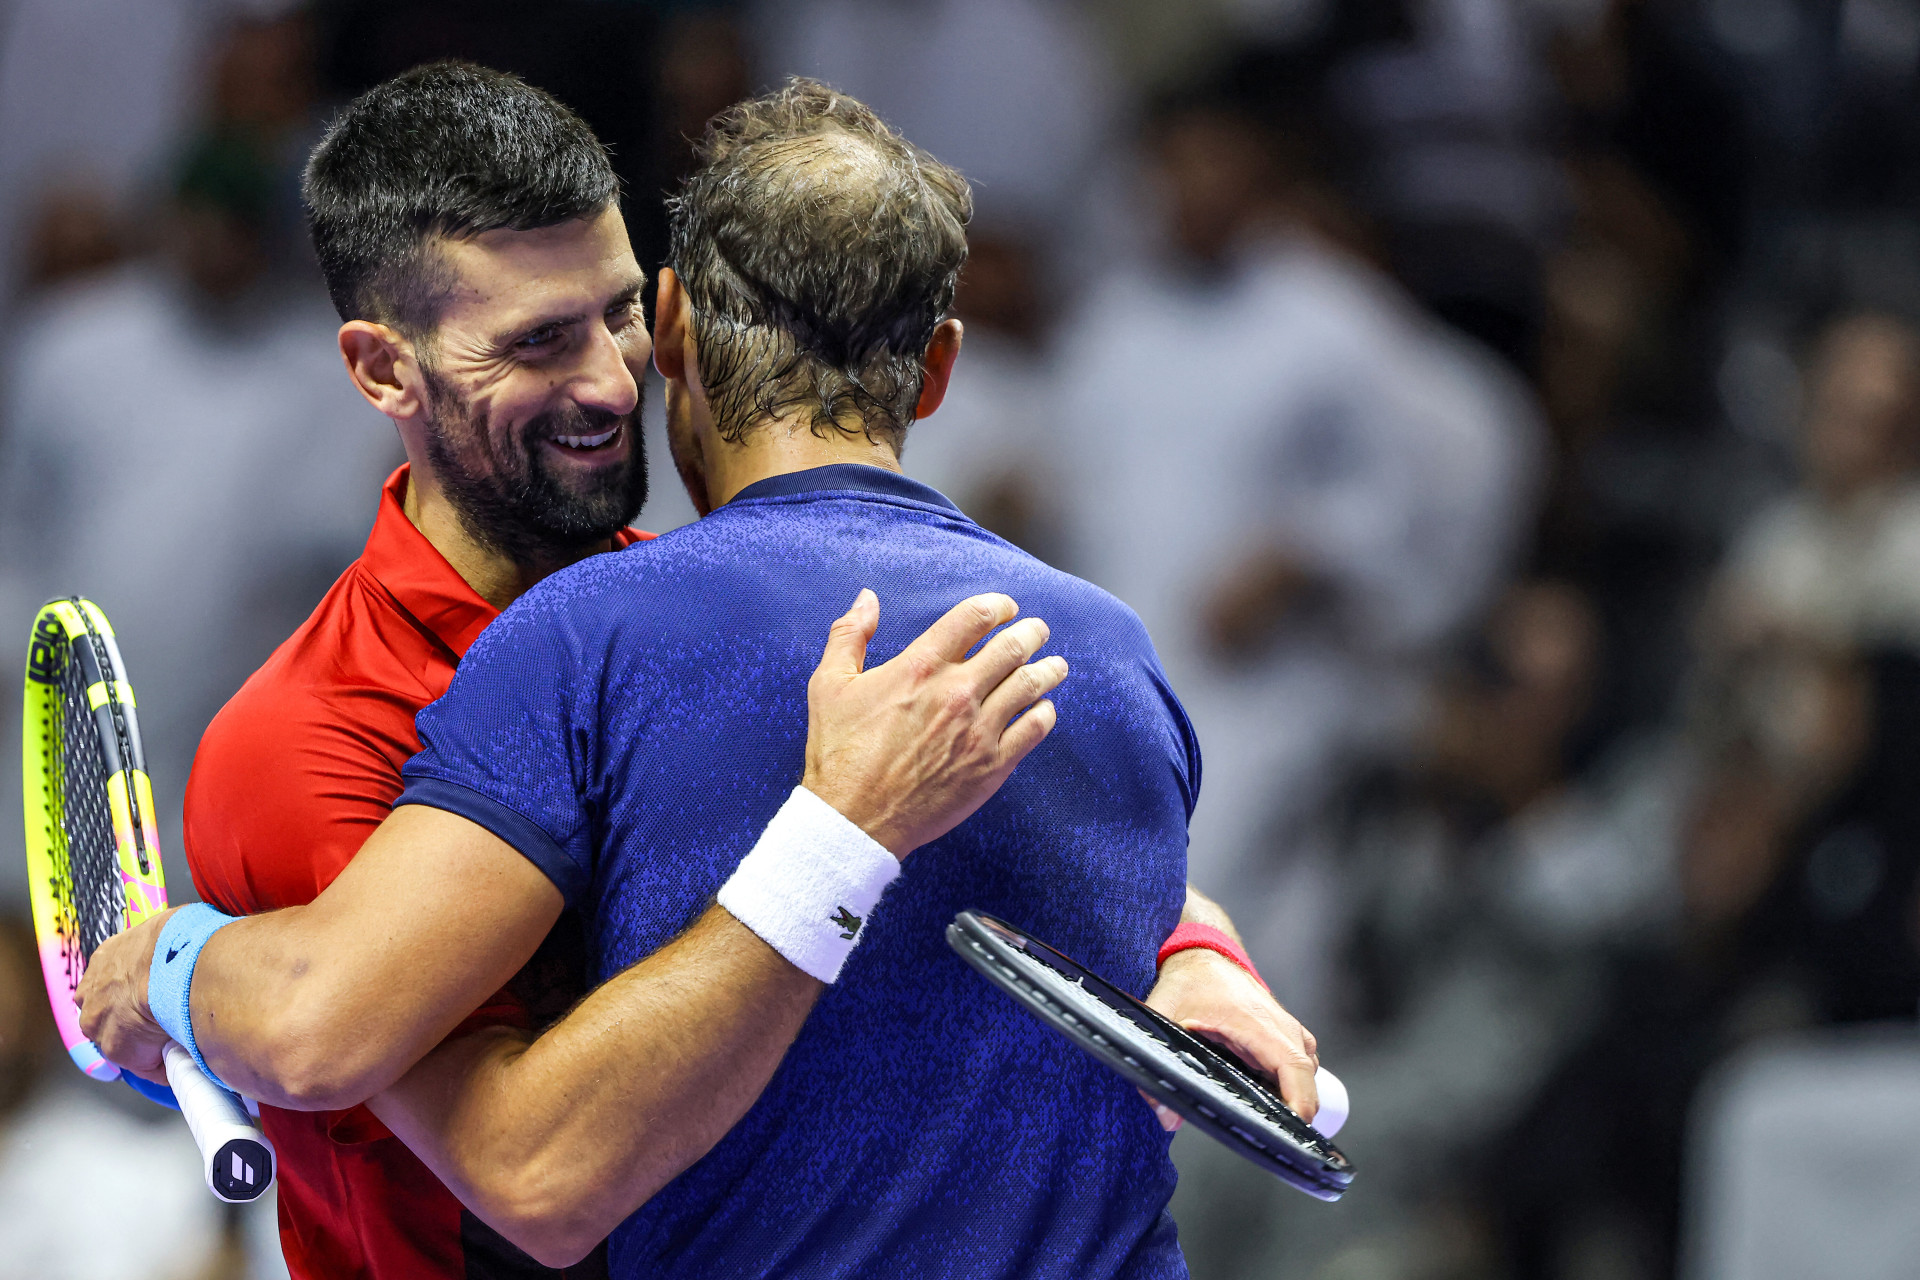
(292, 776)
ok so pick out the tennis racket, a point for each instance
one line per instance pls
(1203, 1082)
(93, 863)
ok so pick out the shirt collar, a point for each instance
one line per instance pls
(843, 477)
(418, 577)
(427, 588)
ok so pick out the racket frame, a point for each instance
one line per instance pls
(74, 630)
(1249, 1117)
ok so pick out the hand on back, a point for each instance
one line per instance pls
(910, 749)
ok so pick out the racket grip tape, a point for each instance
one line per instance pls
(1334, 1103)
(235, 1156)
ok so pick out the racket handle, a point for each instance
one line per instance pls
(235, 1156)
(1333, 1103)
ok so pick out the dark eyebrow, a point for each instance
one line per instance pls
(625, 297)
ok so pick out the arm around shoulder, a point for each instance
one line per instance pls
(554, 1141)
(322, 1006)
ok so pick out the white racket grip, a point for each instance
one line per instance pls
(235, 1156)
(1333, 1103)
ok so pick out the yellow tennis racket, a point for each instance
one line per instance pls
(93, 863)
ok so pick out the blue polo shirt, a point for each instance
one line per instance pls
(633, 722)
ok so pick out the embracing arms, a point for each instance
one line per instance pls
(554, 1140)
(322, 1006)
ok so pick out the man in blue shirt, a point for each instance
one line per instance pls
(921, 1124)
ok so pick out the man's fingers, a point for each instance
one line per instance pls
(1299, 1091)
(1026, 733)
(1005, 654)
(846, 653)
(156, 1076)
(1268, 1050)
(965, 625)
(1022, 688)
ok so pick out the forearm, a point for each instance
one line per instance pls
(294, 1010)
(554, 1142)
(322, 1006)
(1200, 909)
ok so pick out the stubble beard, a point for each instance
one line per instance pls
(520, 506)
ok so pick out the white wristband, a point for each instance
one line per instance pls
(809, 884)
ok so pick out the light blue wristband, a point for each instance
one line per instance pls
(170, 977)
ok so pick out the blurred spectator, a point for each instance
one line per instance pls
(182, 446)
(1797, 860)
(93, 92)
(981, 449)
(1014, 93)
(1302, 484)
(1838, 562)
(1486, 882)
(87, 1192)
(74, 231)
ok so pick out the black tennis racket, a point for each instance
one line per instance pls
(93, 864)
(1203, 1082)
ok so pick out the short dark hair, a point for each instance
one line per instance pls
(819, 250)
(447, 150)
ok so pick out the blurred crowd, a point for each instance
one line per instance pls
(1505, 415)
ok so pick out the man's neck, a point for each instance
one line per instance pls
(495, 577)
(783, 447)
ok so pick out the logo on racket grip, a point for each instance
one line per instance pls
(847, 921)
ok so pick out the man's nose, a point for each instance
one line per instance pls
(604, 381)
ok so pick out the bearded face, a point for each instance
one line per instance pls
(553, 487)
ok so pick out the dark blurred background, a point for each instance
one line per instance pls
(1505, 415)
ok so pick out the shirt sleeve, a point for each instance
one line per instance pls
(283, 793)
(509, 746)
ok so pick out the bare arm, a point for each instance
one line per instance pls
(1205, 992)
(319, 1007)
(554, 1141)
(323, 1006)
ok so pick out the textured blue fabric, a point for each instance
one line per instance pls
(646, 710)
(524, 834)
(170, 976)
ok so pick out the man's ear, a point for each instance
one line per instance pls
(937, 368)
(670, 330)
(384, 367)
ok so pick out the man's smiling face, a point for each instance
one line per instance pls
(533, 375)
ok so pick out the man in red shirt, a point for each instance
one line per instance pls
(314, 741)
(533, 463)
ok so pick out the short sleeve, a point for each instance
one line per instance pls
(317, 774)
(508, 747)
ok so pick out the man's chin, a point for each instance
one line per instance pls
(581, 514)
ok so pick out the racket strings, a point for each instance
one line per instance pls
(86, 817)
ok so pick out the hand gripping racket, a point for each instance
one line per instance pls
(1204, 1083)
(93, 862)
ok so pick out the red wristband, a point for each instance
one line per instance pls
(1187, 936)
